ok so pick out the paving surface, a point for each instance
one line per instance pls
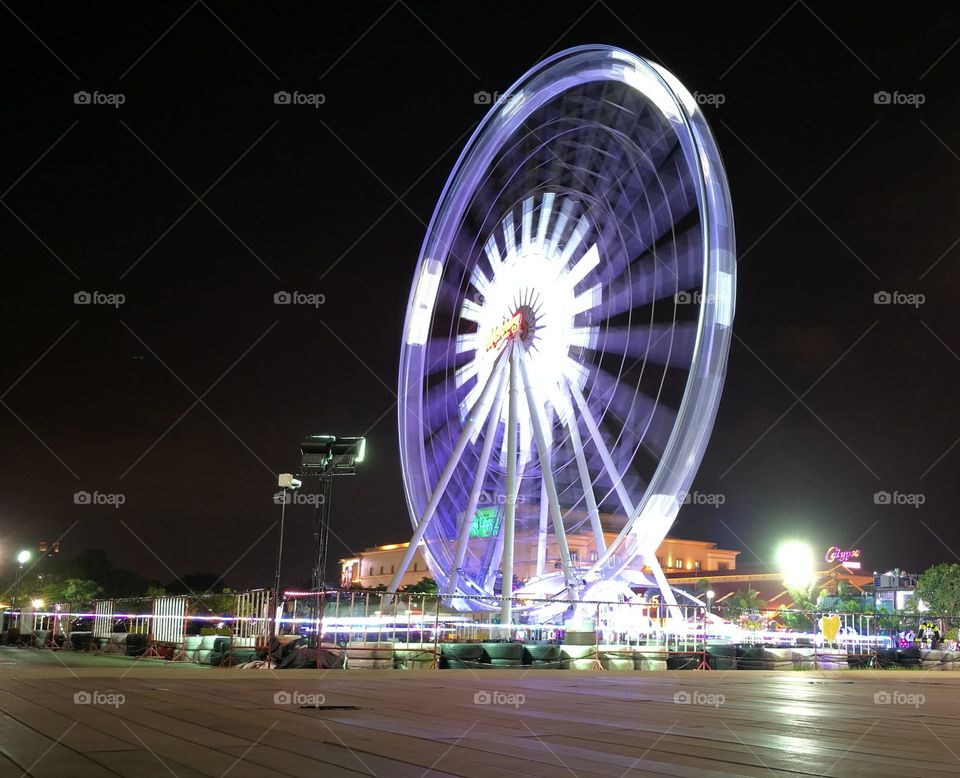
(73, 714)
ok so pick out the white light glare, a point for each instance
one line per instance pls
(795, 561)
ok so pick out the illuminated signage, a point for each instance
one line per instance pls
(505, 330)
(486, 523)
(845, 556)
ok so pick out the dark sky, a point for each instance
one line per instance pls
(189, 397)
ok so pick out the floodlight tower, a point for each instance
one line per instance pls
(325, 457)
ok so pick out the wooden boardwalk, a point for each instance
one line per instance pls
(191, 721)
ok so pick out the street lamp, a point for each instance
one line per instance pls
(288, 483)
(796, 562)
(22, 558)
(710, 595)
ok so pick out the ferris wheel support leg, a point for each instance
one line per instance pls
(587, 485)
(476, 417)
(552, 497)
(491, 576)
(463, 537)
(542, 529)
(510, 512)
(598, 441)
(668, 596)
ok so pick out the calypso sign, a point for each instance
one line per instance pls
(841, 555)
(505, 330)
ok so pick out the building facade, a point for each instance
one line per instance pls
(377, 566)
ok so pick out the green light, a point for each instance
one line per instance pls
(486, 523)
(361, 451)
(23, 557)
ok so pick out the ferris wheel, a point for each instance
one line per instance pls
(566, 336)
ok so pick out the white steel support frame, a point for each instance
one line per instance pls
(476, 417)
(649, 557)
(552, 496)
(542, 529)
(463, 538)
(587, 484)
(513, 485)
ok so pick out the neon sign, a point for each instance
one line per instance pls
(843, 556)
(505, 330)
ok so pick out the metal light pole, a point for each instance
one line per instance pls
(22, 558)
(287, 483)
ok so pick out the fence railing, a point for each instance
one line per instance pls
(425, 621)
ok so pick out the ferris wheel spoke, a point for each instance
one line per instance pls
(560, 225)
(671, 269)
(587, 484)
(644, 422)
(463, 537)
(476, 417)
(547, 474)
(543, 218)
(668, 345)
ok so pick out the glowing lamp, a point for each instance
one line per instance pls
(795, 560)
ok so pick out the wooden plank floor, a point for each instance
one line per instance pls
(193, 721)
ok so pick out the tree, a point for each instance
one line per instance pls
(939, 588)
(423, 586)
(71, 590)
(741, 602)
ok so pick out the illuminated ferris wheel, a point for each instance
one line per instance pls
(567, 333)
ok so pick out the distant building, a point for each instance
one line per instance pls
(377, 566)
(892, 589)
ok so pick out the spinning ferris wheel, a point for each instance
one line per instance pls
(567, 333)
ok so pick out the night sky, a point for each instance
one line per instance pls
(199, 198)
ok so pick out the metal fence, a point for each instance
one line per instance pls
(342, 616)
(427, 625)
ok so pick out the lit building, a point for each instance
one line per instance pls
(376, 566)
(892, 590)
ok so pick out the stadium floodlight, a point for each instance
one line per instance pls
(328, 454)
(323, 457)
